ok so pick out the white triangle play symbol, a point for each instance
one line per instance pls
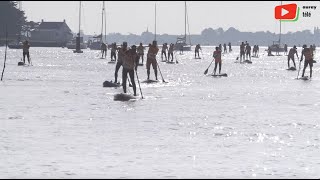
(284, 12)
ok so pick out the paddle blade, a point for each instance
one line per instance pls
(237, 58)
(206, 71)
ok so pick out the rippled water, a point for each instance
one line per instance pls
(57, 121)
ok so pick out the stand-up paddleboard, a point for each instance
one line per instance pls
(111, 84)
(314, 61)
(247, 61)
(220, 75)
(150, 81)
(140, 64)
(111, 62)
(164, 61)
(292, 69)
(170, 62)
(123, 97)
(21, 63)
(304, 78)
(198, 58)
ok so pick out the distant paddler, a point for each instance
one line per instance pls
(196, 51)
(121, 54)
(308, 54)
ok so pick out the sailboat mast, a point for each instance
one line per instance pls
(155, 21)
(79, 18)
(280, 30)
(105, 23)
(185, 20)
(102, 22)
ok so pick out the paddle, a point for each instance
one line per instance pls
(299, 69)
(5, 53)
(160, 72)
(206, 71)
(139, 84)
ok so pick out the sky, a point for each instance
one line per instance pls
(136, 16)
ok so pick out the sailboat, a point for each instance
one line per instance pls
(77, 43)
(276, 45)
(95, 43)
(182, 41)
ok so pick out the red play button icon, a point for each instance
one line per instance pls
(285, 12)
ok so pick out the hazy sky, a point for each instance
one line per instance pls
(135, 16)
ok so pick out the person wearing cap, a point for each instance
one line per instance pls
(292, 51)
(308, 55)
(141, 52)
(164, 51)
(25, 50)
(151, 59)
(121, 53)
(128, 66)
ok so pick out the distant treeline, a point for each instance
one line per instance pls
(16, 23)
(218, 36)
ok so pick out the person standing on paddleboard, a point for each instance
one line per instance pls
(25, 50)
(103, 49)
(121, 52)
(308, 55)
(141, 51)
(217, 60)
(170, 52)
(151, 59)
(129, 66)
(292, 51)
(196, 51)
(164, 51)
(242, 53)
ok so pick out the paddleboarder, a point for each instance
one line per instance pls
(291, 54)
(217, 60)
(129, 66)
(308, 55)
